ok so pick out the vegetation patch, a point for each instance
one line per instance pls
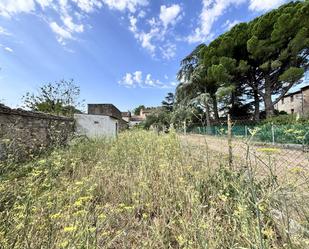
(146, 191)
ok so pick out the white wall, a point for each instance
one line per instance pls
(94, 126)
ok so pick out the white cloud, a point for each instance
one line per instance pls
(9, 49)
(141, 14)
(71, 12)
(71, 26)
(170, 15)
(62, 33)
(127, 80)
(159, 28)
(168, 50)
(133, 21)
(264, 5)
(145, 38)
(11, 7)
(88, 5)
(3, 31)
(44, 3)
(136, 79)
(6, 48)
(230, 24)
(122, 5)
(211, 11)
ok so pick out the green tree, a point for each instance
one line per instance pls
(259, 60)
(60, 98)
(138, 109)
(168, 103)
(278, 47)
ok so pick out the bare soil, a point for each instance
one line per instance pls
(263, 158)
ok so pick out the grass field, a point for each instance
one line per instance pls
(148, 191)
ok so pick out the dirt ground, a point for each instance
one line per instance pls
(263, 158)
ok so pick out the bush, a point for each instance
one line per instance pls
(286, 120)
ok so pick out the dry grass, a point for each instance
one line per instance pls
(146, 191)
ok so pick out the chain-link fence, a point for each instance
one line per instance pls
(273, 156)
(264, 132)
(281, 147)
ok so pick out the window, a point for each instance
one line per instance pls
(292, 111)
(292, 98)
(282, 101)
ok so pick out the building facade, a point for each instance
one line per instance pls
(96, 126)
(102, 120)
(134, 120)
(295, 102)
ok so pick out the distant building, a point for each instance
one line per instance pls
(137, 119)
(146, 112)
(126, 116)
(102, 120)
(295, 102)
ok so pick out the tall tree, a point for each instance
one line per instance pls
(259, 60)
(60, 98)
(279, 50)
(168, 103)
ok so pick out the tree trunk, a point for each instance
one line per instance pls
(207, 113)
(269, 107)
(207, 110)
(256, 106)
(215, 105)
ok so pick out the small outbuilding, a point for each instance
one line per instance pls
(102, 120)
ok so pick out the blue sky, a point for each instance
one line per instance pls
(125, 52)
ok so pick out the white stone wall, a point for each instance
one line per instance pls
(96, 126)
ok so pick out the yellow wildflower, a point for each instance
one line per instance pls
(70, 229)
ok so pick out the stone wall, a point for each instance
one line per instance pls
(23, 133)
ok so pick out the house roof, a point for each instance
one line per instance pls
(126, 114)
(305, 88)
(292, 93)
(136, 118)
(104, 109)
(297, 92)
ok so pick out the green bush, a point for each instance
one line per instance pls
(286, 120)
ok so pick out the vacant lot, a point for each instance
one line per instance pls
(146, 191)
(261, 156)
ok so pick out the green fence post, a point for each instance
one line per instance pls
(273, 133)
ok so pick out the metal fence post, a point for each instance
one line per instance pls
(229, 139)
(273, 133)
(246, 131)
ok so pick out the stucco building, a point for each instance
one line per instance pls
(102, 120)
(295, 102)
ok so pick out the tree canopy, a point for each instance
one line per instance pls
(60, 98)
(253, 63)
(138, 109)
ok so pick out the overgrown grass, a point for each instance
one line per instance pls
(146, 191)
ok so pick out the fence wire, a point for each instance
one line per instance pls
(281, 150)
